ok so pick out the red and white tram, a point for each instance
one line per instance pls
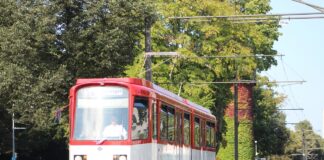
(134, 119)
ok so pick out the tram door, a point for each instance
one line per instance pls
(179, 135)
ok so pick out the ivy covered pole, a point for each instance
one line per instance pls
(236, 114)
(235, 121)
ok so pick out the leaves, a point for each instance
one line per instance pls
(44, 47)
(304, 137)
(219, 37)
(269, 123)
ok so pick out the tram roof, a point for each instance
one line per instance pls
(145, 83)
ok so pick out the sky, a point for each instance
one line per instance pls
(302, 44)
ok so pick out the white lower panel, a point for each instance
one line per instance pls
(203, 155)
(143, 151)
(99, 152)
(150, 151)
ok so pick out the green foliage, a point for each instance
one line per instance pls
(44, 47)
(98, 39)
(269, 123)
(312, 141)
(215, 37)
(246, 144)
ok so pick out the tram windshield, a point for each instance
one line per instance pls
(101, 113)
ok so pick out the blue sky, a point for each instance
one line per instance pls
(302, 43)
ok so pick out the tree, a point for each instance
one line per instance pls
(44, 47)
(305, 140)
(270, 131)
(99, 38)
(204, 37)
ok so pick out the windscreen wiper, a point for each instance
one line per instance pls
(107, 138)
(101, 141)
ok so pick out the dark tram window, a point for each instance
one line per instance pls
(178, 127)
(167, 125)
(140, 119)
(202, 133)
(171, 126)
(210, 134)
(187, 129)
(197, 132)
(164, 123)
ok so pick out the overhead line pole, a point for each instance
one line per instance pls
(236, 123)
(292, 123)
(233, 56)
(258, 17)
(14, 154)
(176, 54)
(291, 109)
(148, 59)
(13, 138)
(240, 82)
(304, 146)
(279, 18)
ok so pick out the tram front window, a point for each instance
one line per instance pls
(101, 113)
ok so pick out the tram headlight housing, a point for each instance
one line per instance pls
(80, 157)
(120, 157)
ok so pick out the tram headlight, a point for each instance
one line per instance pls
(80, 157)
(120, 157)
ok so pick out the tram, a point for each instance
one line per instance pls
(134, 119)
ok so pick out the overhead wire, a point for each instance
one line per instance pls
(289, 101)
(143, 66)
(255, 18)
(292, 93)
(247, 16)
(301, 77)
(296, 104)
(159, 64)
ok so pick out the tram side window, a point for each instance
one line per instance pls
(187, 129)
(140, 118)
(164, 123)
(197, 132)
(171, 124)
(210, 134)
(167, 125)
(202, 133)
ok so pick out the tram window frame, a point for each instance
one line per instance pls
(202, 133)
(187, 120)
(197, 136)
(179, 127)
(214, 136)
(210, 134)
(145, 134)
(171, 129)
(165, 121)
(154, 118)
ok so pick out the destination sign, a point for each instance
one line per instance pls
(95, 92)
